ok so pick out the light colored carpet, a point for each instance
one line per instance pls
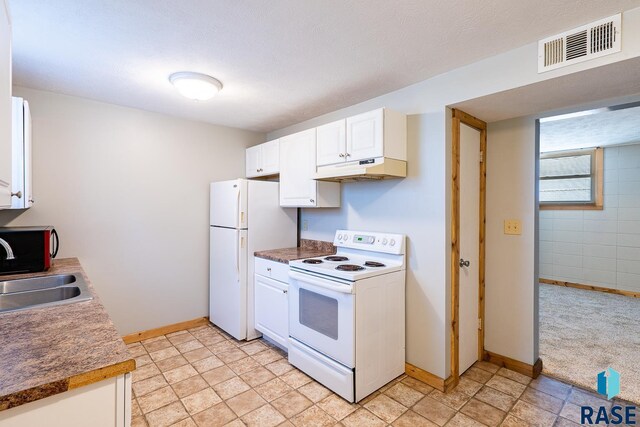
(584, 332)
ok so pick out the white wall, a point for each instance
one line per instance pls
(511, 276)
(128, 191)
(600, 248)
(420, 205)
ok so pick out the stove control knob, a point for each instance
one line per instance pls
(339, 236)
(384, 241)
(346, 237)
(392, 242)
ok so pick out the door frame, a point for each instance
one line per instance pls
(460, 117)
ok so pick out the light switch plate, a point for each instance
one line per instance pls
(512, 226)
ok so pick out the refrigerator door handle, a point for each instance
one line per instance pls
(238, 257)
(240, 213)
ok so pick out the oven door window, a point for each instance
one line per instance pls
(319, 312)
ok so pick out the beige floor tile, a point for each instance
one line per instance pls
(207, 364)
(171, 363)
(243, 365)
(231, 355)
(461, 420)
(211, 339)
(165, 353)
(167, 415)
(257, 376)
(495, 398)
(505, 385)
(291, 404)
(454, 398)
(158, 344)
(180, 338)
(337, 407)
(571, 412)
(245, 402)
(550, 386)
(217, 415)
(404, 394)
(135, 408)
(585, 398)
(147, 371)
(542, 400)
(563, 422)
(273, 389)
(515, 376)
(221, 347)
(411, 419)
(265, 416)
(483, 412)
(235, 423)
(189, 386)
(532, 414)
(477, 374)
(254, 347)
(469, 386)
(218, 375)
(232, 387)
(197, 354)
(180, 374)
(279, 367)
(187, 422)
(487, 366)
(295, 378)
(188, 346)
(313, 417)
(511, 421)
(266, 357)
(137, 349)
(143, 360)
(386, 408)
(417, 385)
(157, 399)
(434, 410)
(139, 422)
(143, 387)
(362, 418)
(199, 401)
(314, 391)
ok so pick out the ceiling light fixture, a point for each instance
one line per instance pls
(196, 86)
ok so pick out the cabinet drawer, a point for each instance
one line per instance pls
(273, 269)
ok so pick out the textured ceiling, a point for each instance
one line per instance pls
(281, 61)
(593, 130)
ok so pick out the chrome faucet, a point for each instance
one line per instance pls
(7, 248)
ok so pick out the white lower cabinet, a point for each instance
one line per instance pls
(103, 404)
(272, 308)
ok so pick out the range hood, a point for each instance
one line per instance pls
(360, 170)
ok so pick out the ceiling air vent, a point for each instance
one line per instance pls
(580, 44)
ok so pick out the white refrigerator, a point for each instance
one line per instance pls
(245, 216)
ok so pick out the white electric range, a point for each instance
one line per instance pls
(347, 313)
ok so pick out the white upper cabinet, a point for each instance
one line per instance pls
(263, 159)
(331, 143)
(365, 136)
(5, 108)
(297, 169)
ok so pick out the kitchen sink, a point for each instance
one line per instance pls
(43, 291)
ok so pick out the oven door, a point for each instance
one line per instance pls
(322, 316)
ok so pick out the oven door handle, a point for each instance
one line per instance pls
(326, 284)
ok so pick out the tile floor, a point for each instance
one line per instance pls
(202, 377)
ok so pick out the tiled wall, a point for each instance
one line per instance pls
(599, 248)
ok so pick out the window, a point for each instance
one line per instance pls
(571, 179)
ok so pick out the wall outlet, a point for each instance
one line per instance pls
(512, 226)
(305, 225)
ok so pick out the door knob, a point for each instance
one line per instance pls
(464, 263)
(340, 155)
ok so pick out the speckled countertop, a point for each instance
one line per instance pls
(46, 351)
(307, 249)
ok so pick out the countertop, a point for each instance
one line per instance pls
(46, 351)
(307, 249)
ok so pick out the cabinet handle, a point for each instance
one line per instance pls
(348, 155)
(269, 269)
(312, 201)
(340, 155)
(257, 170)
(284, 291)
(18, 194)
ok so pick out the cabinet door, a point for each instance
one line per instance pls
(297, 169)
(270, 158)
(365, 135)
(5, 108)
(331, 143)
(253, 161)
(272, 309)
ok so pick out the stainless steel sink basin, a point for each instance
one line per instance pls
(43, 291)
